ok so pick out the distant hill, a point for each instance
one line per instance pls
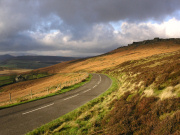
(31, 62)
(44, 58)
(5, 57)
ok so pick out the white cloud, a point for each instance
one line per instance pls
(104, 37)
(172, 28)
(83, 27)
(130, 32)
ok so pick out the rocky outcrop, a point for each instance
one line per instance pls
(155, 40)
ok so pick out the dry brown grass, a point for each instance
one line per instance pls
(133, 108)
(21, 89)
(95, 64)
(147, 115)
(113, 58)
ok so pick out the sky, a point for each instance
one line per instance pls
(81, 28)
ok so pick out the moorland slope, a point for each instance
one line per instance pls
(144, 98)
(134, 51)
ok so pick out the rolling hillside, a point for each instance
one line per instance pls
(5, 57)
(144, 97)
(131, 52)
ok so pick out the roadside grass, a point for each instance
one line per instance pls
(84, 119)
(156, 73)
(63, 90)
(142, 115)
(150, 103)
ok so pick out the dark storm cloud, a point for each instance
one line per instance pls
(81, 15)
(76, 18)
(23, 43)
(77, 12)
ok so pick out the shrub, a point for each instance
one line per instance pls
(141, 116)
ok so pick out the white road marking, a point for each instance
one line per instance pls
(86, 90)
(105, 90)
(94, 86)
(71, 97)
(100, 78)
(64, 99)
(37, 109)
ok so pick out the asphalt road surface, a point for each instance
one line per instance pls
(21, 119)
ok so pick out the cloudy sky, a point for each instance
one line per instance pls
(83, 27)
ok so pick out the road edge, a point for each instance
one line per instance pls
(42, 129)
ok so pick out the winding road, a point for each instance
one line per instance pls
(21, 119)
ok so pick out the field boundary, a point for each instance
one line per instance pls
(59, 89)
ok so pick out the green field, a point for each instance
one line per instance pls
(9, 79)
(5, 80)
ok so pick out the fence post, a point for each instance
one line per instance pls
(10, 97)
(31, 93)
